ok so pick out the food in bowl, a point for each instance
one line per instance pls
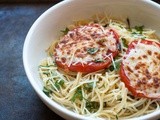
(104, 68)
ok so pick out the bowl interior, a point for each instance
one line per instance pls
(48, 26)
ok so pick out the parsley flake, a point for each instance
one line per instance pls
(139, 29)
(92, 50)
(65, 31)
(117, 65)
(92, 106)
(59, 83)
(124, 41)
(98, 60)
(46, 91)
(77, 95)
(89, 86)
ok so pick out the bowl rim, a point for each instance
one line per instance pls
(57, 107)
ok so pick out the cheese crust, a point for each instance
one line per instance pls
(142, 67)
(84, 44)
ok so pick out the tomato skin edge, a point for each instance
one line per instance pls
(85, 68)
(126, 80)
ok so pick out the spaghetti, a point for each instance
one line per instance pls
(98, 94)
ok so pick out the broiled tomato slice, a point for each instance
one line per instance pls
(140, 69)
(87, 48)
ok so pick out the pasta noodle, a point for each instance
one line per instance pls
(99, 94)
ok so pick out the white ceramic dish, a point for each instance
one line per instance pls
(47, 28)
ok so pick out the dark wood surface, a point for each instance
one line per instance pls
(18, 100)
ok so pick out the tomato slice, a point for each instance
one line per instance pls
(87, 48)
(87, 68)
(140, 69)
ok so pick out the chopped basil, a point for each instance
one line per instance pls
(92, 50)
(134, 33)
(138, 35)
(89, 86)
(111, 68)
(124, 41)
(53, 73)
(120, 26)
(59, 83)
(65, 31)
(46, 91)
(99, 60)
(117, 65)
(77, 95)
(46, 66)
(139, 29)
(92, 106)
(143, 37)
(46, 73)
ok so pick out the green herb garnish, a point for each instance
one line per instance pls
(124, 41)
(92, 106)
(92, 50)
(117, 65)
(45, 66)
(111, 68)
(89, 86)
(99, 60)
(120, 26)
(59, 83)
(134, 33)
(77, 95)
(65, 31)
(139, 29)
(46, 91)
(138, 35)
(143, 37)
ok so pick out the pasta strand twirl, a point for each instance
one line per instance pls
(99, 94)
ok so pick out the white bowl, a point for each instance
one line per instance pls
(47, 28)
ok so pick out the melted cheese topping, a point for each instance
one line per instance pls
(85, 44)
(142, 67)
